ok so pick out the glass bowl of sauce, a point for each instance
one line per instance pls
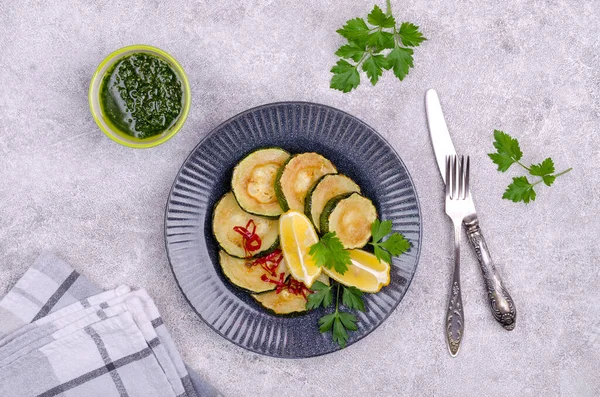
(139, 96)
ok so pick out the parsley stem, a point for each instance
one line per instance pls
(388, 10)
(523, 165)
(564, 172)
(362, 58)
(337, 298)
(555, 175)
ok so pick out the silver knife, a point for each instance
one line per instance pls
(502, 306)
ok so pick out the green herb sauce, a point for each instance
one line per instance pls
(141, 95)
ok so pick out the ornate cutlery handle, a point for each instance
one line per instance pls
(502, 305)
(455, 317)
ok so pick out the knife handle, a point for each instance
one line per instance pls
(502, 306)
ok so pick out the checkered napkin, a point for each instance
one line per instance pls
(62, 336)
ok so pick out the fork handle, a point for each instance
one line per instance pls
(455, 318)
(502, 306)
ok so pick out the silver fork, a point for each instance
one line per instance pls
(457, 191)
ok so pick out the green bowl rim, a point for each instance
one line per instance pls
(140, 143)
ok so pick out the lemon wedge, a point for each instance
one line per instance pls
(366, 272)
(297, 235)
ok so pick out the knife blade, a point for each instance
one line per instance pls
(501, 304)
(438, 130)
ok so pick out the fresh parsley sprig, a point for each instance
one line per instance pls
(395, 245)
(508, 152)
(366, 47)
(329, 252)
(321, 296)
(339, 322)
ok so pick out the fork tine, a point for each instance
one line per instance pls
(461, 194)
(467, 171)
(448, 182)
(454, 178)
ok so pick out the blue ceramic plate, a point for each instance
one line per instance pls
(356, 150)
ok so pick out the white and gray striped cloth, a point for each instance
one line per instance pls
(60, 335)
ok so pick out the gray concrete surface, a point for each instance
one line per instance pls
(531, 68)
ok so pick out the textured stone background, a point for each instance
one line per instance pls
(530, 67)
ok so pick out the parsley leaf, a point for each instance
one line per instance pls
(348, 320)
(410, 35)
(548, 179)
(355, 29)
(330, 253)
(380, 40)
(326, 322)
(378, 18)
(381, 254)
(520, 190)
(401, 60)
(542, 169)
(340, 335)
(322, 296)
(374, 47)
(380, 229)
(345, 76)
(374, 66)
(509, 152)
(352, 298)
(351, 51)
(395, 245)
(545, 169)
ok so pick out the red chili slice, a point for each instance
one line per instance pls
(293, 286)
(270, 262)
(298, 288)
(251, 240)
(280, 283)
